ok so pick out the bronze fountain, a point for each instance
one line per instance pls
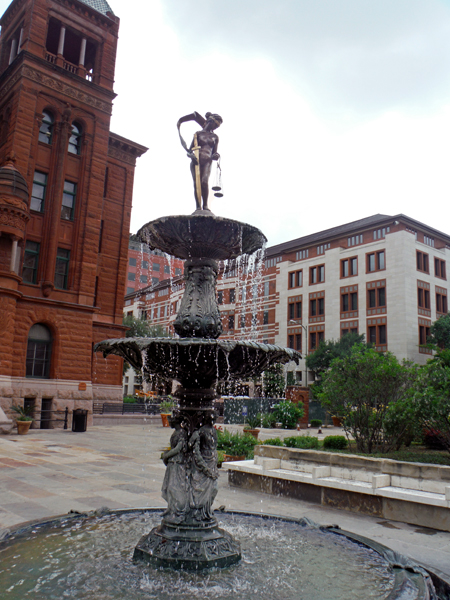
(189, 536)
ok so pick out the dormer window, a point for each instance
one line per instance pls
(46, 128)
(75, 139)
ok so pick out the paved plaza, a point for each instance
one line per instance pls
(50, 472)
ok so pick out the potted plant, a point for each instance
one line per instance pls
(251, 424)
(24, 418)
(166, 407)
(336, 421)
(235, 446)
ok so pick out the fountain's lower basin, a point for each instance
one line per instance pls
(90, 557)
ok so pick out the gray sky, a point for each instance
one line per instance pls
(333, 109)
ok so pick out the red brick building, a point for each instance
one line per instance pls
(65, 202)
(149, 267)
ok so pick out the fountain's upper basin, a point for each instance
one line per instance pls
(202, 235)
(197, 361)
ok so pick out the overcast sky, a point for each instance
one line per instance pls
(333, 110)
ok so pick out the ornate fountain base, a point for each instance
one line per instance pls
(188, 547)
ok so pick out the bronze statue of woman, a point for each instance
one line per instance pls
(202, 151)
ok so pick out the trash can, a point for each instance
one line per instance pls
(79, 420)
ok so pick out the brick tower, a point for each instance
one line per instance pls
(65, 201)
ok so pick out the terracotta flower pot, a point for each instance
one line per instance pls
(165, 419)
(23, 427)
(253, 432)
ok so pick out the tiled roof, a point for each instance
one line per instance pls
(101, 5)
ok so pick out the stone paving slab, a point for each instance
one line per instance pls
(49, 472)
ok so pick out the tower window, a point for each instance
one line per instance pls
(38, 191)
(62, 268)
(75, 139)
(39, 352)
(68, 202)
(46, 128)
(30, 262)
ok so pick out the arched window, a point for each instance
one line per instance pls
(39, 352)
(46, 129)
(75, 139)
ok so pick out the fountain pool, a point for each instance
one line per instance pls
(89, 557)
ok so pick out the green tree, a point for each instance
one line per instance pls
(274, 382)
(440, 332)
(432, 396)
(371, 392)
(319, 361)
(142, 328)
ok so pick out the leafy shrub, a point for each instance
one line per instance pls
(236, 444)
(287, 413)
(273, 442)
(316, 423)
(269, 421)
(432, 397)
(435, 440)
(302, 441)
(335, 442)
(371, 392)
(253, 422)
(129, 399)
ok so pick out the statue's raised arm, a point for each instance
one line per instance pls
(202, 151)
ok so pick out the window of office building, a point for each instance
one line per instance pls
(317, 306)
(349, 267)
(317, 274)
(232, 296)
(295, 279)
(230, 322)
(376, 297)
(423, 298)
(424, 333)
(132, 262)
(316, 335)
(439, 268)
(349, 301)
(294, 308)
(422, 262)
(441, 301)
(349, 327)
(220, 297)
(376, 261)
(377, 333)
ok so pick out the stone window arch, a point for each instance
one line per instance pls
(39, 351)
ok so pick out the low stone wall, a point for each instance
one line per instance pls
(133, 419)
(408, 492)
(61, 394)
